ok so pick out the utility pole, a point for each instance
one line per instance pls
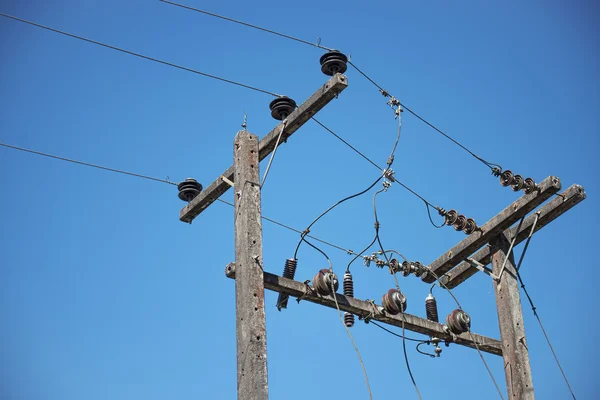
(249, 288)
(487, 244)
(510, 317)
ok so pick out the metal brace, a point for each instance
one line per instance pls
(482, 268)
(227, 181)
(308, 291)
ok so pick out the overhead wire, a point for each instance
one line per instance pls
(119, 171)
(170, 64)
(496, 169)
(70, 160)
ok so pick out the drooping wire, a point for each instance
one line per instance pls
(141, 55)
(307, 230)
(396, 334)
(317, 45)
(362, 364)
(496, 169)
(395, 180)
(119, 171)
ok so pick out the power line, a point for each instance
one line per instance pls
(141, 55)
(318, 45)
(496, 169)
(119, 171)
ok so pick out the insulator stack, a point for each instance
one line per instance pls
(394, 302)
(189, 189)
(516, 182)
(324, 281)
(289, 271)
(281, 107)
(458, 322)
(394, 266)
(333, 62)
(431, 308)
(348, 292)
(460, 222)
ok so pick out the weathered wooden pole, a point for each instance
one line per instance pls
(510, 317)
(249, 285)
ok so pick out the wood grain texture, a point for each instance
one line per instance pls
(366, 309)
(295, 120)
(249, 287)
(512, 329)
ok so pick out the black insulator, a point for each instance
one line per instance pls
(189, 189)
(450, 217)
(460, 223)
(281, 107)
(289, 270)
(348, 292)
(507, 178)
(470, 226)
(333, 62)
(518, 183)
(431, 308)
(529, 185)
(458, 322)
(394, 302)
(323, 282)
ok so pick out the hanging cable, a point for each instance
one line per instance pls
(333, 294)
(307, 230)
(86, 164)
(141, 55)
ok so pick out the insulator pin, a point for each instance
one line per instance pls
(348, 285)
(431, 308)
(394, 302)
(289, 271)
(189, 189)
(325, 282)
(458, 322)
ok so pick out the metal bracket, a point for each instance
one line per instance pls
(482, 268)
(227, 181)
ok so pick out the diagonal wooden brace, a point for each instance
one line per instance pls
(493, 228)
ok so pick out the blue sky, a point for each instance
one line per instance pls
(104, 293)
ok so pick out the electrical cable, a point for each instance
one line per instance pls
(273, 154)
(317, 45)
(412, 378)
(424, 352)
(362, 364)
(394, 333)
(140, 55)
(307, 230)
(496, 169)
(86, 164)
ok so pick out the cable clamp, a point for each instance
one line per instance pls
(308, 291)
(389, 174)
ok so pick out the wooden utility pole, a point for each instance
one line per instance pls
(249, 289)
(510, 317)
